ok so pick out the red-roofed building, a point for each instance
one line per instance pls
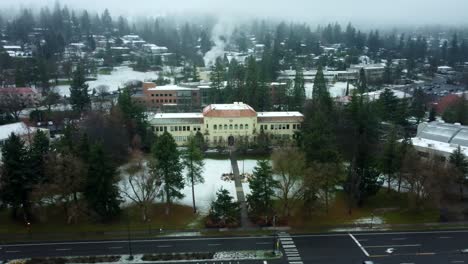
(446, 102)
(27, 93)
(224, 123)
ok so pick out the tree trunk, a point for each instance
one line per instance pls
(145, 213)
(193, 187)
(193, 197)
(399, 182)
(168, 203)
(461, 192)
(326, 199)
(389, 180)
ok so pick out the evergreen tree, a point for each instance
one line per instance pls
(205, 42)
(101, 188)
(262, 186)
(317, 135)
(432, 114)
(418, 105)
(460, 164)
(169, 167)
(320, 94)
(299, 90)
(217, 77)
(224, 210)
(37, 154)
(79, 96)
(134, 117)
(388, 104)
(16, 181)
(362, 180)
(389, 161)
(362, 82)
(193, 160)
(251, 82)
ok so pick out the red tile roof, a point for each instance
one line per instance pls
(17, 90)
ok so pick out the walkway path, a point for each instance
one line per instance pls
(239, 190)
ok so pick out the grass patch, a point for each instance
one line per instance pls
(179, 218)
(105, 71)
(63, 82)
(391, 206)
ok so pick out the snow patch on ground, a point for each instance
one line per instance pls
(364, 224)
(118, 77)
(205, 192)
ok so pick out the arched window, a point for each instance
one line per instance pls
(236, 127)
(215, 127)
(241, 126)
(225, 127)
(230, 127)
(246, 126)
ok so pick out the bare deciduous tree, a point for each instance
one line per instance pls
(289, 166)
(13, 103)
(65, 175)
(143, 183)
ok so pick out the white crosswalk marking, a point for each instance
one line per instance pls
(289, 247)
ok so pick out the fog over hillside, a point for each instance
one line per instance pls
(375, 12)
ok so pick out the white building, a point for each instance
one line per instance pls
(223, 123)
(440, 139)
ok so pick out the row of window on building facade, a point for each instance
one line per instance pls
(280, 126)
(231, 127)
(227, 127)
(176, 128)
(158, 95)
(164, 101)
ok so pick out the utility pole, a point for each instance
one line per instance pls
(129, 238)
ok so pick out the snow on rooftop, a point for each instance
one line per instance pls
(234, 106)
(19, 128)
(178, 115)
(169, 88)
(399, 94)
(279, 114)
(437, 145)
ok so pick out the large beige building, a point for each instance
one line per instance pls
(223, 123)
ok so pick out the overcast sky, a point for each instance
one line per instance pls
(396, 12)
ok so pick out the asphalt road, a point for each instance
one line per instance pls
(431, 247)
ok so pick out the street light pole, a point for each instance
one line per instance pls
(129, 238)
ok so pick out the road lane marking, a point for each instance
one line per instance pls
(12, 251)
(63, 249)
(359, 245)
(399, 238)
(115, 247)
(263, 243)
(214, 245)
(137, 241)
(445, 237)
(458, 261)
(289, 246)
(394, 246)
(164, 246)
(230, 238)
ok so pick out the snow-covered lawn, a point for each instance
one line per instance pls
(118, 77)
(205, 192)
